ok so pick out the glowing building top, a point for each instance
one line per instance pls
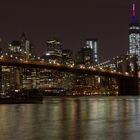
(134, 19)
(134, 35)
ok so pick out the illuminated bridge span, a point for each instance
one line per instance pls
(63, 68)
(128, 84)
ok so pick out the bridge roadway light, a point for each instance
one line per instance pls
(1, 57)
(42, 60)
(25, 61)
(82, 67)
(72, 65)
(126, 73)
(57, 64)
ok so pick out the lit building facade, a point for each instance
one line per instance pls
(20, 49)
(25, 47)
(134, 36)
(67, 78)
(87, 57)
(67, 58)
(15, 50)
(50, 79)
(93, 45)
(22, 77)
(53, 52)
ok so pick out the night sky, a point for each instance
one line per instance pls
(71, 21)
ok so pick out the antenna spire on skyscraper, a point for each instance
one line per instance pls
(133, 12)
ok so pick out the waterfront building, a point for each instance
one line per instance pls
(10, 79)
(50, 79)
(134, 35)
(67, 60)
(20, 50)
(87, 57)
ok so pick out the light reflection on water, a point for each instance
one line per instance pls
(76, 118)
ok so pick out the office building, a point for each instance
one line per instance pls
(134, 35)
(51, 78)
(93, 45)
(20, 49)
(53, 52)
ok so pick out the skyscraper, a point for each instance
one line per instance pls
(134, 35)
(93, 45)
(20, 48)
(88, 55)
(54, 51)
(52, 78)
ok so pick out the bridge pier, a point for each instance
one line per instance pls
(128, 86)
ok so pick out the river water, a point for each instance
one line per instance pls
(72, 118)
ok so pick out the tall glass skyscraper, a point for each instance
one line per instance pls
(134, 35)
(93, 45)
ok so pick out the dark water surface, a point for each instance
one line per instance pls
(76, 118)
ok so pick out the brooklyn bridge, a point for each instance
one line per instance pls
(127, 83)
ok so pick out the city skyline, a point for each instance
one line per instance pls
(72, 22)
